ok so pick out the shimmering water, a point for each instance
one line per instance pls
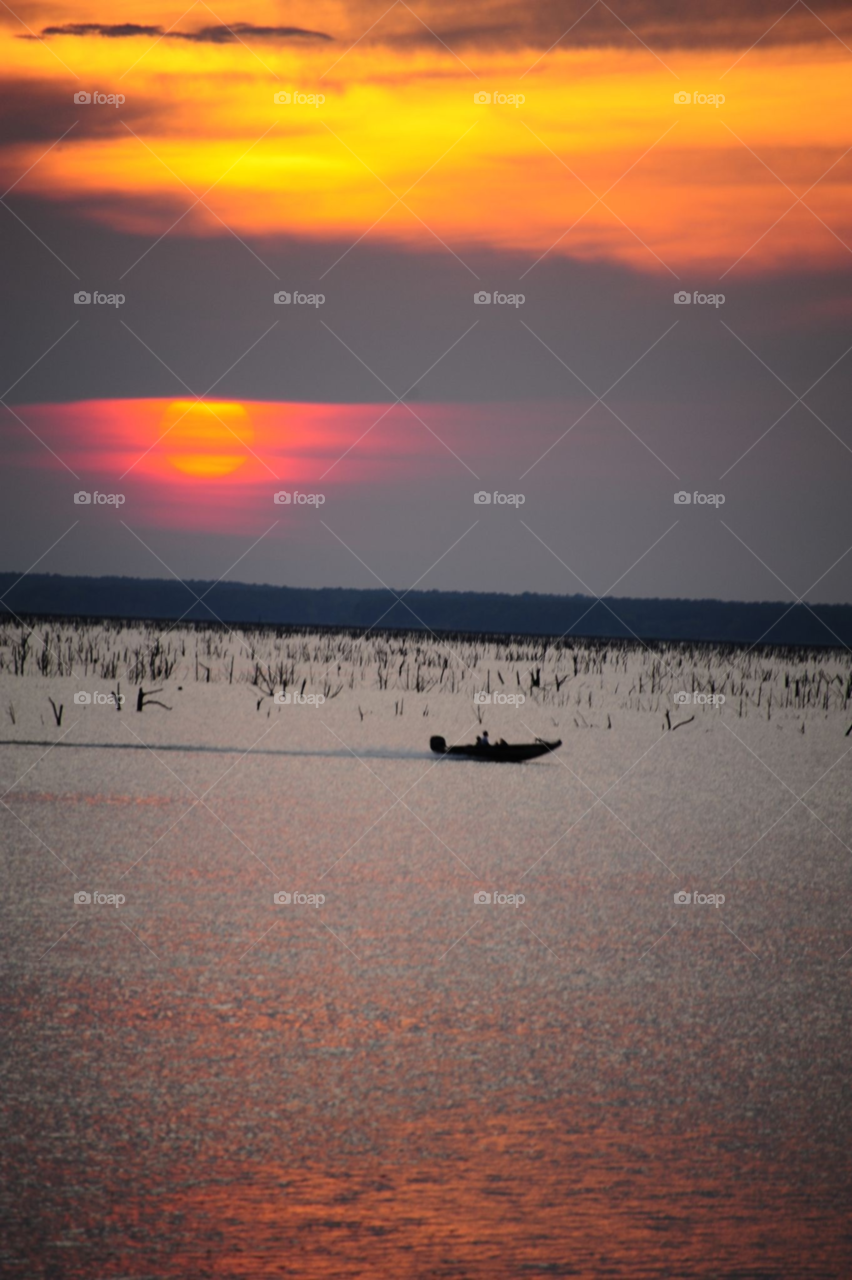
(402, 1082)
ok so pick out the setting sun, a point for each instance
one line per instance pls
(204, 438)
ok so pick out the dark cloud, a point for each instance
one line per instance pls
(43, 111)
(659, 24)
(219, 34)
(699, 399)
(101, 29)
(493, 24)
(245, 30)
(208, 298)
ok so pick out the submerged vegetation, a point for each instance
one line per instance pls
(590, 678)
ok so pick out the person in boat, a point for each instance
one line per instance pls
(482, 739)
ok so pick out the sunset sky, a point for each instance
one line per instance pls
(594, 160)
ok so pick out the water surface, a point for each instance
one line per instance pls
(402, 1082)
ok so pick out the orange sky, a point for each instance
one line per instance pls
(689, 192)
(256, 442)
(219, 463)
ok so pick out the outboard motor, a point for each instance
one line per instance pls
(438, 745)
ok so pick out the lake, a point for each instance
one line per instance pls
(601, 1069)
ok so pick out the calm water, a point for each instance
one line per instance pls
(399, 1081)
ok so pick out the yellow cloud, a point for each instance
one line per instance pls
(680, 184)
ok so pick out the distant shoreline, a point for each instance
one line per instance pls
(495, 616)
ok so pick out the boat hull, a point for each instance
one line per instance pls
(507, 753)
